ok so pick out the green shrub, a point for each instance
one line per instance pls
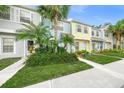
(33, 60)
(109, 51)
(61, 50)
(82, 53)
(50, 58)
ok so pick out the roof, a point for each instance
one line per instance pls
(80, 22)
(25, 7)
(65, 21)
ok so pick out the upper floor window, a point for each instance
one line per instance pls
(97, 33)
(92, 33)
(106, 34)
(5, 15)
(8, 45)
(85, 30)
(78, 28)
(25, 16)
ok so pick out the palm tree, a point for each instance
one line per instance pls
(67, 39)
(3, 8)
(39, 33)
(53, 12)
(118, 31)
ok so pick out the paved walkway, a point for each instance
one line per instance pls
(101, 76)
(11, 70)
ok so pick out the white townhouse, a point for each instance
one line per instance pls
(63, 27)
(11, 21)
(108, 37)
(122, 42)
(97, 39)
(86, 37)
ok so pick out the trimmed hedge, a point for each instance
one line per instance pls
(50, 58)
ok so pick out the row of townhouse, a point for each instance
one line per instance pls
(91, 38)
(86, 37)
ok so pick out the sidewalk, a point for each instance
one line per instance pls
(11, 70)
(101, 76)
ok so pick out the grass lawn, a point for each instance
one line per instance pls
(101, 59)
(32, 75)
(117, 54)
(6, 62)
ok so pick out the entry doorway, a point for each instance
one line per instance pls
(30, 46)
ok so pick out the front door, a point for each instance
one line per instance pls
(30, 46)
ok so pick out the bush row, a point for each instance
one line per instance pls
(50, 58)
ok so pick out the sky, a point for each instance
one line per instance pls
(97, 14)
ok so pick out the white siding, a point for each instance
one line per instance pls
(18, 48)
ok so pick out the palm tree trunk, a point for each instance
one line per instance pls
(118, 38)
(42, 19)
(55, 34)
(65, 46)
(117, 45)
(55, 31)
(120, 42)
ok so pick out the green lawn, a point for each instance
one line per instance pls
(101, 59)
(117, 54)
(6, 62)
(32, 75)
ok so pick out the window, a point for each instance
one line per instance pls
(92, 33)
(77, 46)
(106, 34)
(25, 16)
(5, 15)
(85, 30)
(8, 45)
(97, 33)
(78, 28)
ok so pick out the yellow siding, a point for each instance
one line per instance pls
(82, 37)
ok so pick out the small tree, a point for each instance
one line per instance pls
(67, 39)
(3, 8)
(118, 31)
(38, 33)
(53, 12)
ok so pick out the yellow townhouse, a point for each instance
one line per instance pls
(82, 35)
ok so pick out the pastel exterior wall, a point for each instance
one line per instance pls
(109, 42)
(108, 38)
(80, 35)
(84, 39)
(97, 37)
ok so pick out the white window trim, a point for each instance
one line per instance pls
(84, 29)
(19, 9)
(14, 49)
(77, 27)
